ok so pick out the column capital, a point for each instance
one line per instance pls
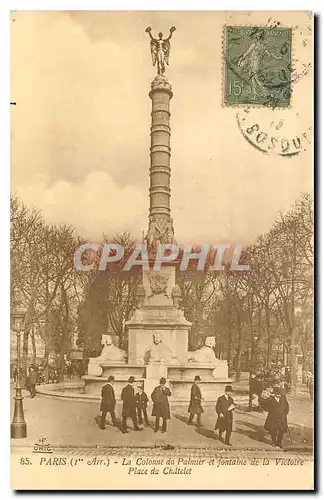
(160, 82)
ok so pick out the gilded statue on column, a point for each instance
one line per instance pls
(160, 50)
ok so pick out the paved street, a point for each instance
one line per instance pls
(72, 423)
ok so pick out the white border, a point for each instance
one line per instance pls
(5, 8)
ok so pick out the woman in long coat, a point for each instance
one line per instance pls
(195, 407)
(161, 408)
(276, 422)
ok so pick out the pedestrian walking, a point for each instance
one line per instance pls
(129, 405)
(141, 406)
(32, 381)
(224, 409)
(276, 422)
(161, 408)
(195, 407)
(255, 387)
(108, 402)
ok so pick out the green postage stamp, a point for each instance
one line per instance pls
(257, 66)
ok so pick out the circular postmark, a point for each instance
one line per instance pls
(274, 133)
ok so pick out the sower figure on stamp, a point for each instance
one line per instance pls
(195, 407)
(129, 405)
(108, 402)
(276, 422)
(141, 405)
(250, 62)
(224, 409)
(161, 408)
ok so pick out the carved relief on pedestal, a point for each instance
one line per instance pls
(158, 284)
(176, 296)
(160, 231)
(141, 295)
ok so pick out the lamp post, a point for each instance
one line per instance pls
(18, 424)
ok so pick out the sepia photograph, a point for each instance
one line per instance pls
(162, 250)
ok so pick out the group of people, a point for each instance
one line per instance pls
(36, 374)
(135, 405)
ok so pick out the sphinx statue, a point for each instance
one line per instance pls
(159, 352)
(110, 353)
(205, 354)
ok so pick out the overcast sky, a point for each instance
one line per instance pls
(80, 130)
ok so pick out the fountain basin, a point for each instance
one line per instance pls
(214, 377)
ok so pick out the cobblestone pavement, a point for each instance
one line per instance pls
(66, 423)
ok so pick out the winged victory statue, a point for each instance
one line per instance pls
(160, 50)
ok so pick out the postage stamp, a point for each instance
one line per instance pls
(257, 66)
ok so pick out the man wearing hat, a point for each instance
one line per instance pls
(276, 422)
(129, 405)
(161, 406)
(224, 410)
(108, 402)
(195, 407)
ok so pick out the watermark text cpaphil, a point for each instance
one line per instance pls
(90, 256)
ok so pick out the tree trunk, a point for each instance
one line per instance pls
(46, 354)
(85, 357)
(238, 368)
(304, 351)
(61, 363)
(293, 334)
(229, 338)
(25, 350)
(293, 359)
(65, 336)
(269, 343)
(32, 335)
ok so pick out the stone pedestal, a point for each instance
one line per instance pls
(153, 375)
(158, 315)
(94, 369)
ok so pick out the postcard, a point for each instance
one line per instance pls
(162, 244)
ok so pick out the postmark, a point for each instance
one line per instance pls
(257, 65)
(274, 134)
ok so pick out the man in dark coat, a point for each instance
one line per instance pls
(129, 405)
(108, 402)
(224, 410)
(276, 422)
(161, 408)
(195, 407)
(255, 387)
(32, 381)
